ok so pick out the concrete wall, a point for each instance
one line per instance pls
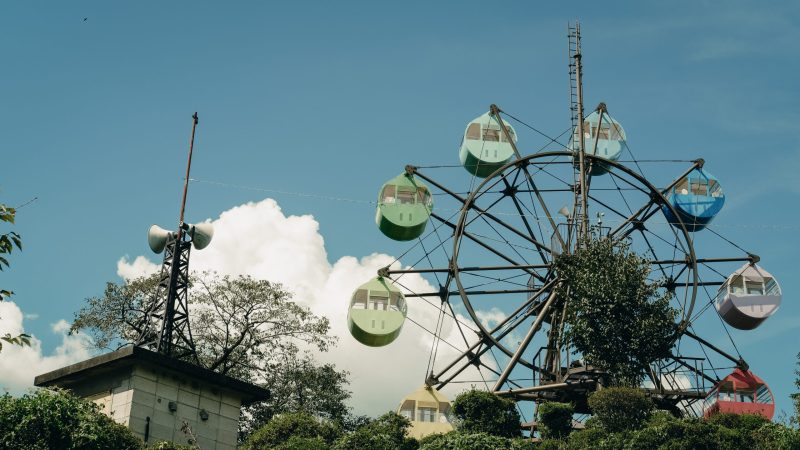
(133, 396)
(116, 402)
(152, 393)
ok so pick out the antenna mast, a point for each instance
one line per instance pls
(165, 326)
(576, 116)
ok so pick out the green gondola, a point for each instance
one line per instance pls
(484, 147)
(377, 312)
(404, 205)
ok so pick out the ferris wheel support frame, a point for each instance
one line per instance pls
(487, 339)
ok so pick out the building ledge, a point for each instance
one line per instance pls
(137, 356)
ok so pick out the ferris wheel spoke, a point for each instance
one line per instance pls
(626, 181)
(632, 219)
(488, 340)
(738, 361)
(488, 247)
(525, 221)
(532, 186)
(484, 214)
(527, 340)
(605, 205)
(653, 199)
(653, 252)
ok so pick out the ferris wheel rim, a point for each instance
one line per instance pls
(657, 197)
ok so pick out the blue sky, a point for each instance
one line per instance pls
(334, 98)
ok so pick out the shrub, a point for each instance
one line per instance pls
(288, 430)
(387, 432)
(459, 440)
(620, 408)
(555, 419)
(483, 412)
(56, 419)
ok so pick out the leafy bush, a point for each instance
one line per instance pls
(550, 444)
(166, 445)
(483, 412)
(55, 419)
(743, 422)
(620, 409)
(586, 439)
(459, 440)
(387, 432)
(555, 419)
(773, 436)
(289, 430)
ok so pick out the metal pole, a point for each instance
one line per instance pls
(495, 111)
(188, 167)
(524, 344)
(581, 150)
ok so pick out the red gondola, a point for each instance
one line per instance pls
(741, 392)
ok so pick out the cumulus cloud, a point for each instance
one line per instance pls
(257, 239)
(19, 365)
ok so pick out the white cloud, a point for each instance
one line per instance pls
(139, 267)
(259, 240)
(19, 365)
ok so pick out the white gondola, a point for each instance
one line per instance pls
(748, 297)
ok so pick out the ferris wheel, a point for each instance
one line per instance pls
(494, 246)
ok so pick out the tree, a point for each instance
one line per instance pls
(555, 419)
(483, 412)
(242, 327)
(50, 419)
(620, 408)
(299, 385)
(291, 430)
(8, 241)
(387, 432)
(617, 319)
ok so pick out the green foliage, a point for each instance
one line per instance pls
(8, 240)
(387, 432)
(663, 431)
(52, 419)
(617, 319)
(483, 412)
(291, 430)
(299, 385)
(620, 408)
(7, 243)
(21, 340)
(555, 419)
(459, 440)
(796, 395)
(743, 422)
(690, 434)
(590, 438)
(550, 444)
(774, 436)
(166, 445)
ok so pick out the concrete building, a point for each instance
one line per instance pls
(153, 395)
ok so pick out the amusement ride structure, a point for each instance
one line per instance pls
(495, 245)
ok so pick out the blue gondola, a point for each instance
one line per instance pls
(697, 198)
(603, 137)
